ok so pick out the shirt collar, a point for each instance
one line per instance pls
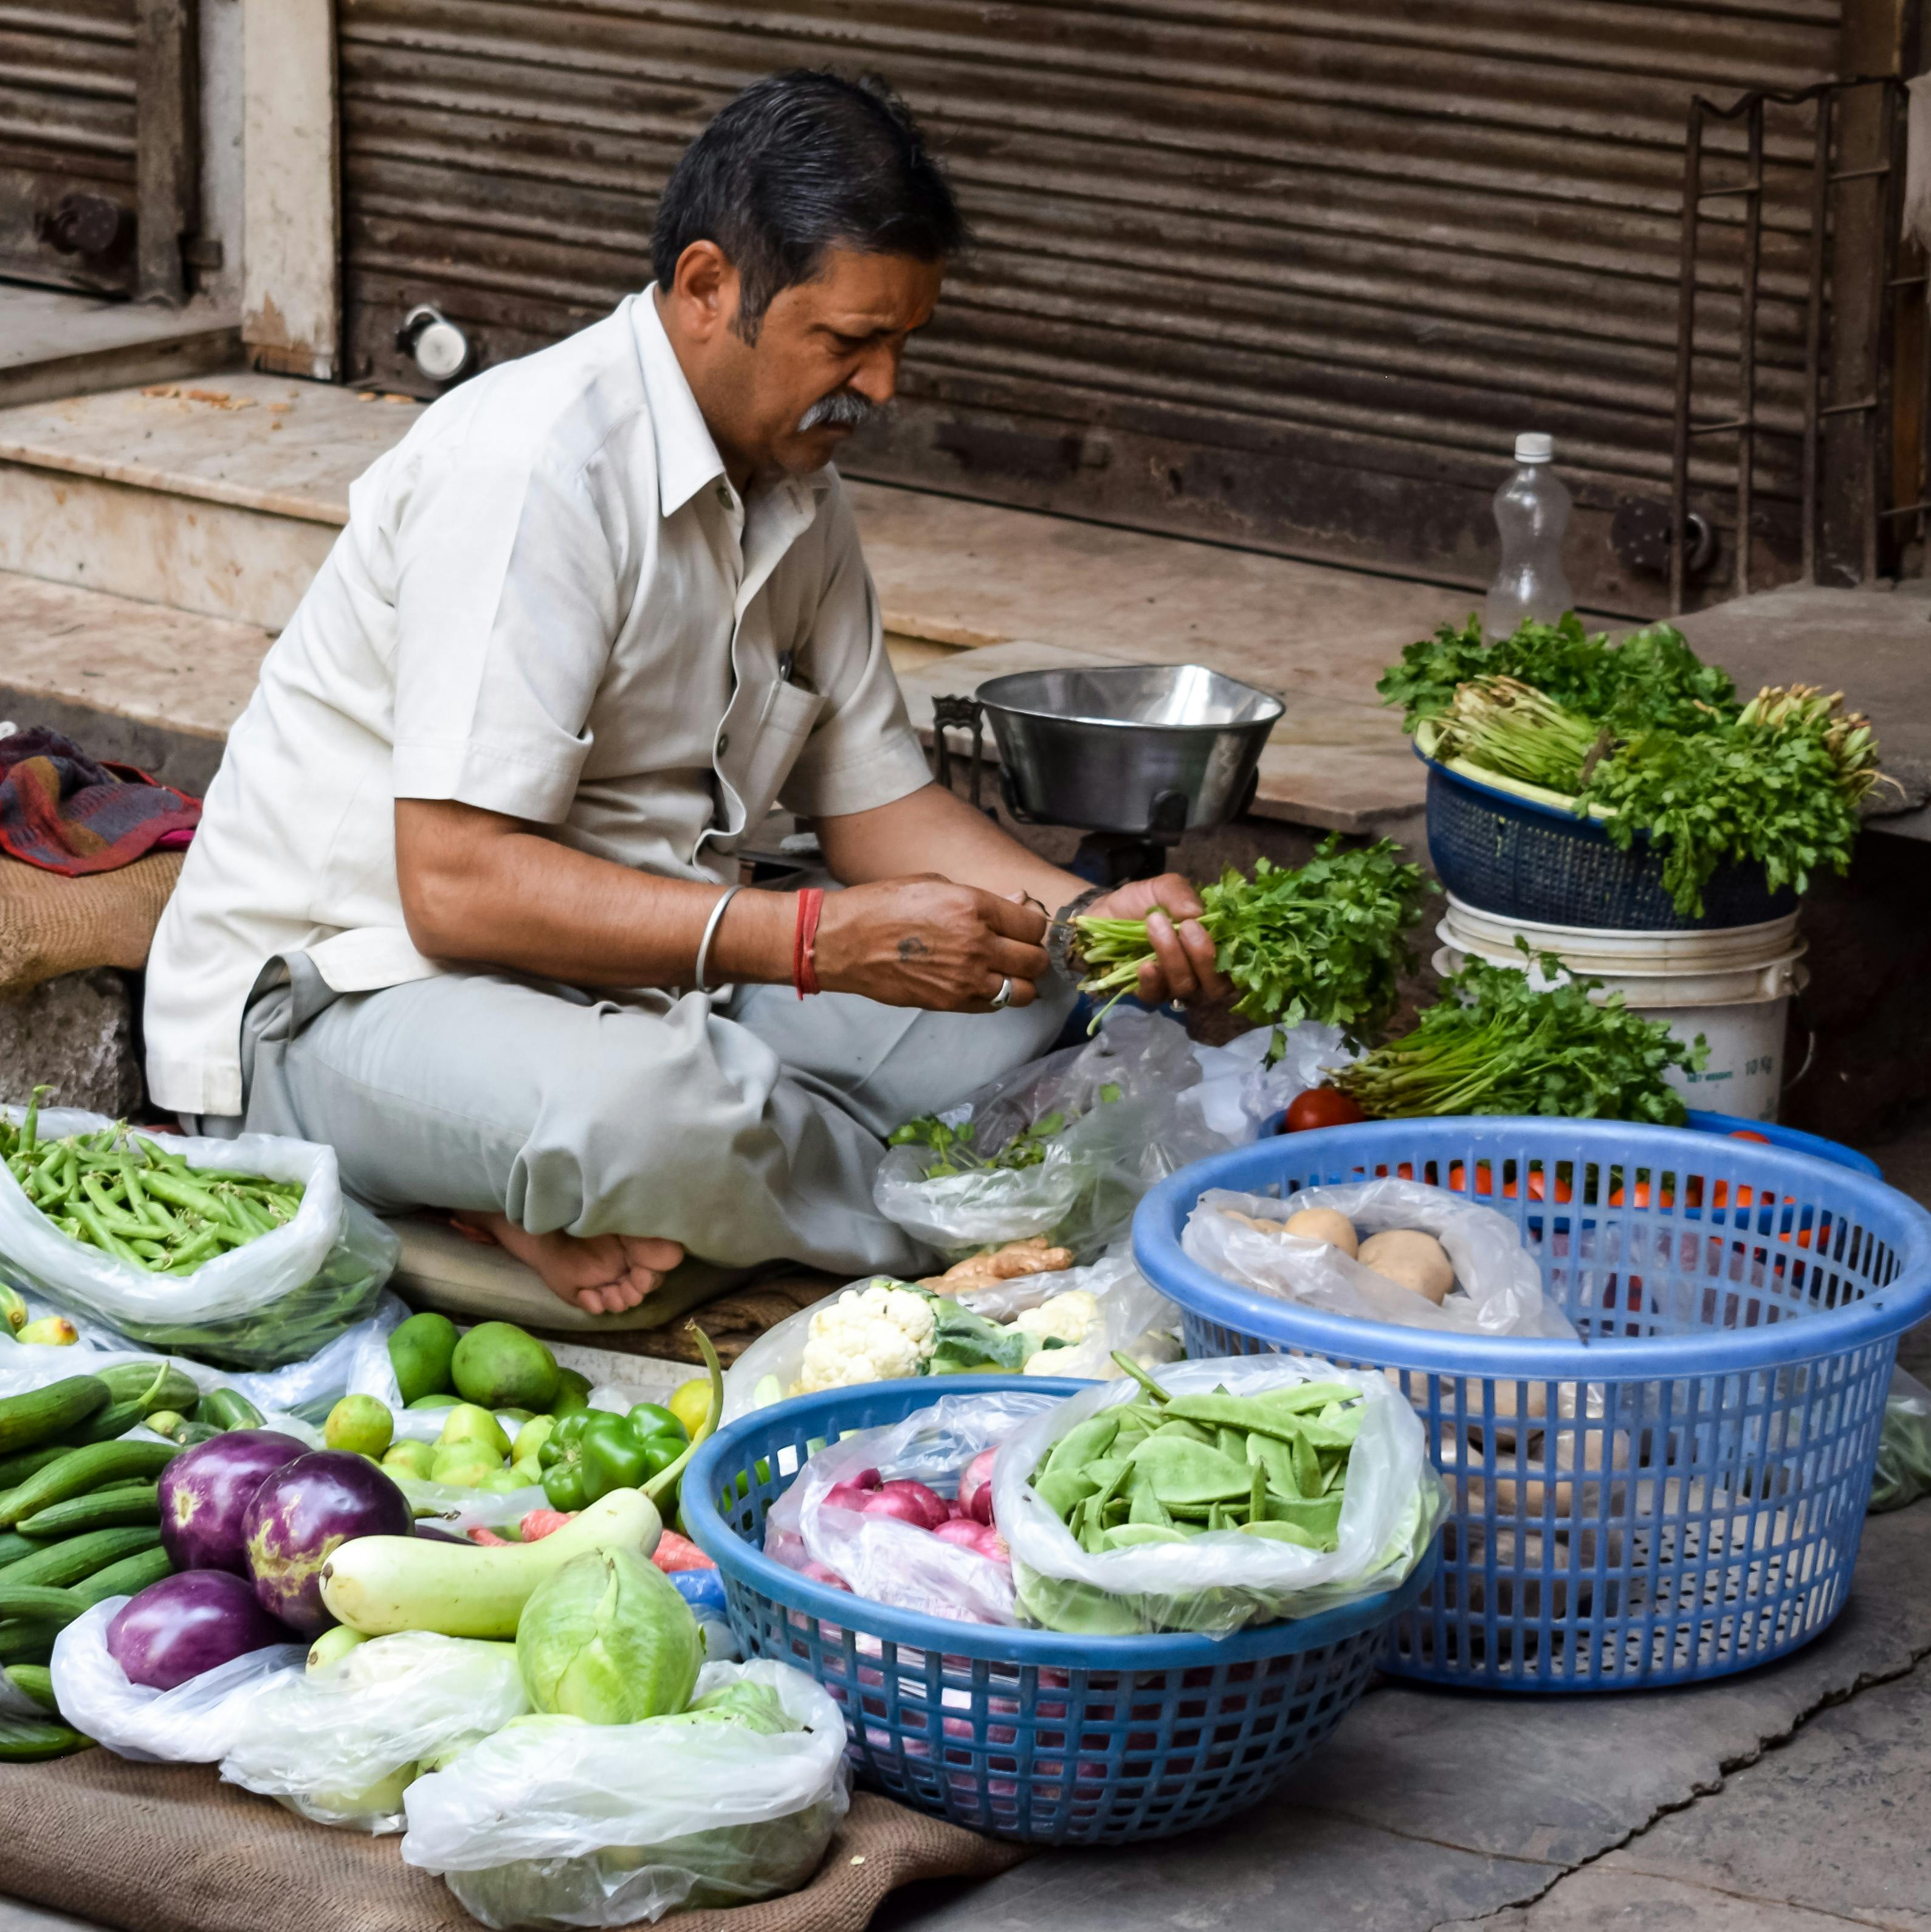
(687, 458)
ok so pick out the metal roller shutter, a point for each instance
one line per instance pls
(1285, 274)
(67, 143)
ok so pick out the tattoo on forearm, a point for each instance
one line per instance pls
(911, 946)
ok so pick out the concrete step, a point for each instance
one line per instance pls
(219, 497)
(136, 682)
(54, 343)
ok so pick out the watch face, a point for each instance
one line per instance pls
(441, 350)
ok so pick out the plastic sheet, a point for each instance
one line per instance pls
(552, 1823)
(1498, 1284)
(1904, 1448)
(277, 1299)
(196, 1722)
(1083, 1192)
(1221, 1580)
(894, 1562)
(1136, 1318)
(340, 1745)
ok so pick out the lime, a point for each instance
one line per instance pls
(360, 1424)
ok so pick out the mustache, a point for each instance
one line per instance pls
(843, 409)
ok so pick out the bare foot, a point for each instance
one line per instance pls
(601, 1274)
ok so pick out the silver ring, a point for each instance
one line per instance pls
(1004, 998)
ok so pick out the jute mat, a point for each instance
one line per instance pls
(170, 1848)
(49, 924)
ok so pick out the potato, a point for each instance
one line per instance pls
(1323, 1224)
(1411, 1260)
(1259, 1226)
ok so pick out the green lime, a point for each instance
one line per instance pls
(360, 1424)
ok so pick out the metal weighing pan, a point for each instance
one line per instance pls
(1137, 748)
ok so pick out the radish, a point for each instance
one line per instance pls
(976, 1487)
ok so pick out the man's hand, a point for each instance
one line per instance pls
(925, 942)
(1182, 962)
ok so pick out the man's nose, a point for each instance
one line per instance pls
(875, 378)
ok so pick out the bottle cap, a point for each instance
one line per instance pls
(1531, 446)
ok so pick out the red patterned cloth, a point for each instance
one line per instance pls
(63, 811)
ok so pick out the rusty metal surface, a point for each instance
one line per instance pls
(1279, 273)
(167, 143)
(67, 143)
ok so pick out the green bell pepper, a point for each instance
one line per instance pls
(591, 1452)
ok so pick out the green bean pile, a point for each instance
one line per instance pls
(127, 1196)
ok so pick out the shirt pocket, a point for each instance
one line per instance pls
(790, 713)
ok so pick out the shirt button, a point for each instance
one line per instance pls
(723, 743)
(725, 494)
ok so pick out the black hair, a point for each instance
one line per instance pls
(797, 163)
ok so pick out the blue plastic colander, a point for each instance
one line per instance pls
(1680, 1493)
(1024, 1734)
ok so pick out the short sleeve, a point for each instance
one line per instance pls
(506, 610)
(863, 753)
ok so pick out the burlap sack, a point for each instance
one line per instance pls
(170, 1848)
(49, 926)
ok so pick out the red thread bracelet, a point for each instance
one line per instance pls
(805, 939)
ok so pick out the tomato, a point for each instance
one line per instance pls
(1484, 1178)
(1745, 1134)
(1321, 1107)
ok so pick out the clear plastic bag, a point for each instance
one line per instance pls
(879, 1557)
(1242, 1090)
(1497, 1283)
(277, 1299)
(554, 1823)
(1903, 1471)
(196, 1722)
(341, 1744)
(1135, 1317)
(1124, 1094)
(1222, 1580)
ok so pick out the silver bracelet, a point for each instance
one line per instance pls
(710, 932)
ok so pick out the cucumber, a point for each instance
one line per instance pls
(153, 1384)
(34, 1680)
(13, 1546)
(42, 1414)
(60, 1563)
(81, 1470)
(228, 1409)
(105, 1425)
(39, 1603)
(127, 1578)
(16, 1469)
(24, 1640)
(104, 1509)
(35, 1740)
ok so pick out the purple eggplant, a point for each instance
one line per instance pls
(299, 1515)
(205, 1493)
(187, 1623)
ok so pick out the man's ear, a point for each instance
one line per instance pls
(704, 293)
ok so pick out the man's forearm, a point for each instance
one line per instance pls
(932, 830)
(478, 888)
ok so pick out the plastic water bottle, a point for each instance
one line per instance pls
(1532, 513)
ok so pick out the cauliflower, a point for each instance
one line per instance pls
(1070, 1318)
(876, 1334)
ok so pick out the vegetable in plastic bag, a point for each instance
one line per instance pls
(610, 1638)
(887, 1560)
(339, 1745)
(1224, 1580)
(275, 1300)
(1904, 1448)
(553, 1823)
(195, 1723)
(1498, 1285)
(1123, 1095)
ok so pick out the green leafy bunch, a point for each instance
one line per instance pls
(1323, 941)
(1495, 1044)
(955, 1151)
(1652, 677)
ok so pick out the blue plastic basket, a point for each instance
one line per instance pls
(1677, 1496)
(1794, 1139)
(1508, 855)
(1024, 1734)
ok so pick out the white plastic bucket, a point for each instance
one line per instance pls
(1733, 986)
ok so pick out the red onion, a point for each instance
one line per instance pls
(976, 1487)
(819, 1573)
(846, 1496)
(930, 1505)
